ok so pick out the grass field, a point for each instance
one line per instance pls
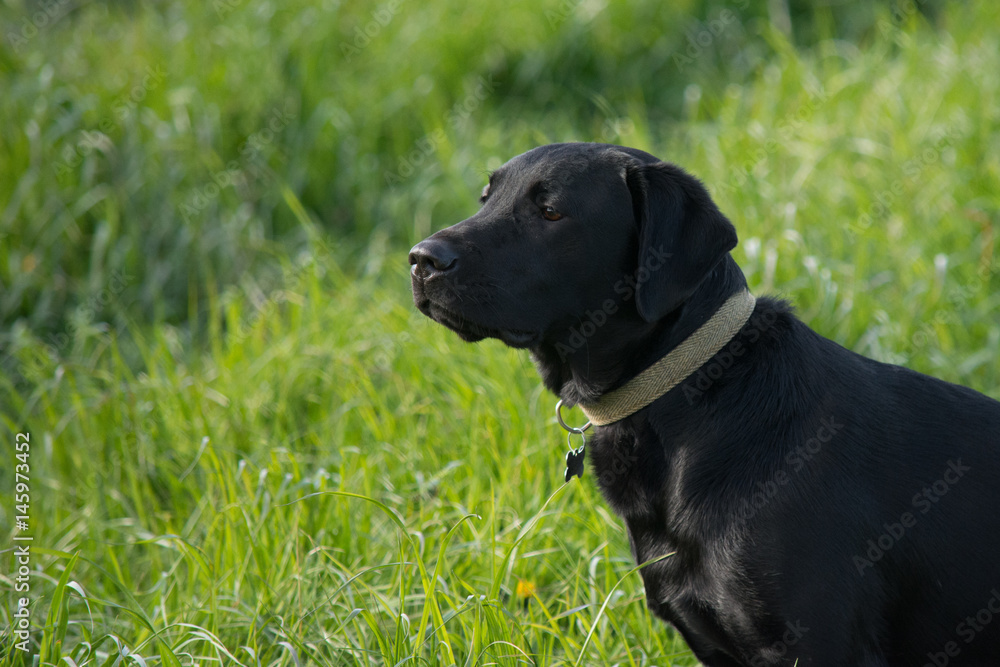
(248, 448)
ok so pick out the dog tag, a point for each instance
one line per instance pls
(574, 457)
(574, 462)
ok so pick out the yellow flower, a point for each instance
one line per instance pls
(525, 589)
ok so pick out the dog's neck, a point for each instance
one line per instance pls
(625, 345)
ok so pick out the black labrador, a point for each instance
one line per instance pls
(822, 508)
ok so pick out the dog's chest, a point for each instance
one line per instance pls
(692, 587)
(631, 475)
(639, 484)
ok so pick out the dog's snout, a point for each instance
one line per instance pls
(432, 255)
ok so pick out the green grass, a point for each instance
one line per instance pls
(280, 462)
(138, 137)
(338, 480)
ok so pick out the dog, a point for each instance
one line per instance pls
(818, 507)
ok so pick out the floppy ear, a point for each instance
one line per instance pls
(681, 229)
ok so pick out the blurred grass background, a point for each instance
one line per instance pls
(204, 306)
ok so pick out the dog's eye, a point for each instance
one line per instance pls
(550, 213)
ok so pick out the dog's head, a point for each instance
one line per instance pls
(569, 233)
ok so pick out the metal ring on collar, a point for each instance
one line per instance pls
(571, 429)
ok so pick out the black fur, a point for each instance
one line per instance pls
(820, 506)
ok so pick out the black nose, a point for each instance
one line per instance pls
(432, 255)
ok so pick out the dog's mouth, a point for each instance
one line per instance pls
(472, 332)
